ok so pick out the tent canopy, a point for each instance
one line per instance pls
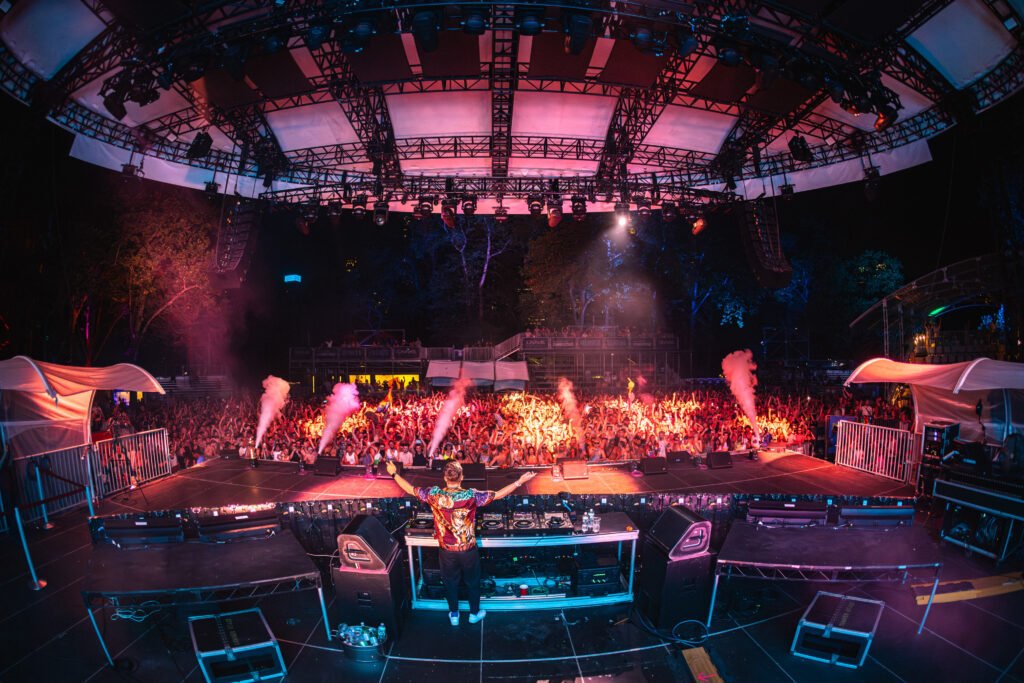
(953, 392)
(46, 407)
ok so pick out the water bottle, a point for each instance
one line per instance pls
(382, 632)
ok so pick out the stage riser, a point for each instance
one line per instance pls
(317, 523)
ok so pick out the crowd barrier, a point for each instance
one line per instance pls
(884, 451)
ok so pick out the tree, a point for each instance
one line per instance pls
(864, 279)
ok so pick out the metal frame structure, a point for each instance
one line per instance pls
(208, 30)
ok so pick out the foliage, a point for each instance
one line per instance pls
(861, 281)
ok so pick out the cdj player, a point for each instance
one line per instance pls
(557, 521)
(421, 525)
(492, 524)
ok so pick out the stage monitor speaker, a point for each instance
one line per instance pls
(877, 515)
(680, 532)
(327, 466)
(719, 459)
(656, 465)
(366, 545)
(236, 647)
(837, 629)
(574, 469)
(474, 473)
(143, 530)
(382, 468)
(670, 591)
(679, 457)
(371, 597)
(786, 513)
(240, 525)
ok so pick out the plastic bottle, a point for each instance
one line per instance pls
(382, 632)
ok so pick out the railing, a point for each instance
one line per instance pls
(106, 467)
(127, 461)
(883, 451)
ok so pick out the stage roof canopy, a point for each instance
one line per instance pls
(649, 99)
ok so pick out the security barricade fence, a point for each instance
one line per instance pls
(106, 466)
(884, 451)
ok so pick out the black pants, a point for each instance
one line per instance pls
(464, 564)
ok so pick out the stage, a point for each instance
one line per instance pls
(234, 482)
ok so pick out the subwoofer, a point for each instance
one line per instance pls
(654, 465)
(327, 466)
(719, 459)
(368, 575)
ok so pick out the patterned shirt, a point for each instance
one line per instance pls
(454, 514)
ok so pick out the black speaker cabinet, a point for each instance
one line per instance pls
(327, 466)
(474, 473)
(654, 465)
(670, 591)
(143, 530)
(719, 459)
(679, 457)
(371, 597)
(680, 532)
(217, 528)
(365, 544)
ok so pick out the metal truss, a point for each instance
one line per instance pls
(830, 574)
(504, 46)
(1001, 82)
(257, 589)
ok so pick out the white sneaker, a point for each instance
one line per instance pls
(474, 618)
(454, 618)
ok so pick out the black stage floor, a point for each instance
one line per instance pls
(226, 482)
(47, 636)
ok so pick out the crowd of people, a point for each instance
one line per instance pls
(501, 430)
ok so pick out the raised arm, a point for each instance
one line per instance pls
(498, 495)
(400, 480)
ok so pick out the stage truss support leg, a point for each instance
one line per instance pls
(935, 587)
(714, 592)
(323, 610)
(106, 652)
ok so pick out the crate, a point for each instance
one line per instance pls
(837, 629)
(236, 647)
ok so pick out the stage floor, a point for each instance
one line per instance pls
(227, 482)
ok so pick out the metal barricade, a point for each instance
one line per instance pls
(127, 461)
(31, 486)
(884, 451)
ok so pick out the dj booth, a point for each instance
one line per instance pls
(593, 561)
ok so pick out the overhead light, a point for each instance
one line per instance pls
(114, 103)
(643, 208)
(554, 211)
(425, 25)
(800, 150)
(334, 209)
(417, 214)
(142, 90)
(311, 212)
(358, 34)
(886, 117)
(698, 226)
(669, 211)
(359, 206)
(475, 21)
(642, 37)
(529, 22)
(365, 27)
(130, 171)
(767, 66)
(686, 42)
(622, 214)
(728, 54)
(577, 29)
(317, 35)
(786, 190)
(200, 146)
(117, 92)
(380, 213)
(234, 60)
(273, 43)
(212, 187)
(469, 205)
(836, 91)
(579, 207)
(425, 205)
(535, 204)
(501, 214)
(449, 205)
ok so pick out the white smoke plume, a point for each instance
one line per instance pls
(739, 368)
(645, 397)
(456, 397)
(275, 395)
(570, 408)
(342, 402)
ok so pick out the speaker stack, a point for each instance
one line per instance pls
(327, 466)
(675, 569)
(368, 575)
(719, 460)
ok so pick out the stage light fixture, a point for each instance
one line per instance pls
(642, 37)
(469, 205)
(364, 28)
(579, 207)
(728, 54)
(380, 213)
(622, 214)
(317, 35)
(799, 149)
(669, 211)
(475, 21)
(886, 117)
(142, 90)
(449, 205)
(836, 91)
(417, 214)
(425, 25)
(530, 22)
(273, 43)
(554, 211)
(686, 42)
(212, 187)
(730, 184)
(426, 205)
(767, 67)
(116, 89)
(310, 212)
(698, 226)
(500, 213)
(200, 146)
(535, 205)
(114, 103)
(577, 29)
(643, 208)
(786, 190)
(334, 209)
(234, 59)
(872, 175)
(359, 206)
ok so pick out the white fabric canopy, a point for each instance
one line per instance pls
(46, 407)
(952, 392)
